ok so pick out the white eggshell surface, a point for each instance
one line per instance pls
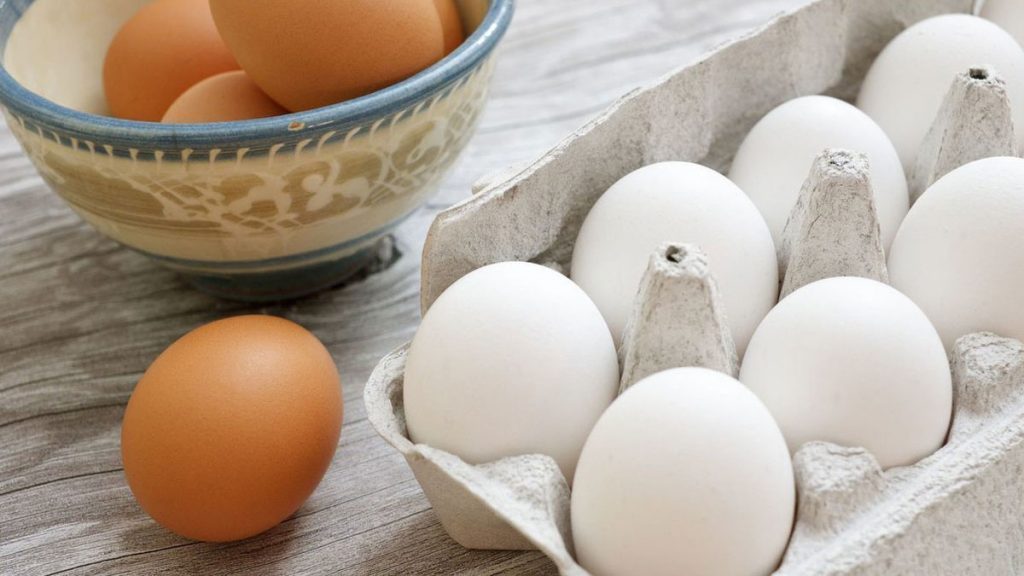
(677, 202)
(511, 359)
(686, 473)
(775, 159)
(905, 87)
(960, 253)
(853, 362)
(1008, 14)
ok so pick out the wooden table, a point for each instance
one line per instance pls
(81, 318)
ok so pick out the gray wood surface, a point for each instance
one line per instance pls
(81, 318)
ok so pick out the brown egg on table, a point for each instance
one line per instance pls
(451, 25)
(232, 427)
(164, 49)
(330, 51)
(225, 97)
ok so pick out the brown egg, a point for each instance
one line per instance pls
(167, 47)
(222, 98)
(451, 23)
(232, 427)
(327, 51)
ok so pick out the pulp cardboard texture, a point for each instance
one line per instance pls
(975, 122)
(833, 229)
(956, 512)
(700, 113)
(678, 319)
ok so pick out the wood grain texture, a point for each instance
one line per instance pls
(81, 318)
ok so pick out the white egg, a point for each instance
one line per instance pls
(511, 359)
(906, 85)
(677, 202)
(960, 253)
(853, 362)
(776, 157)
(1008, 14)
(686, 473)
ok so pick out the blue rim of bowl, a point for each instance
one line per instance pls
(150, 135)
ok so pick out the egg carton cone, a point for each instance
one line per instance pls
(833, 229)
(698, 113)
(958, 511)
(975, 122)
(678, 318)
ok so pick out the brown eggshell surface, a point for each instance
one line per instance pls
(451, 24)
(167, 47)
(222, 98)
(320, 52)
(232, 427)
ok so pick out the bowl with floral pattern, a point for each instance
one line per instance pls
(256, 210)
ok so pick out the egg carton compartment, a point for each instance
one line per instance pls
(955, 512)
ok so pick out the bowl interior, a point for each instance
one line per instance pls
(56, 48)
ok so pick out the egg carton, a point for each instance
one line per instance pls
(959, 511)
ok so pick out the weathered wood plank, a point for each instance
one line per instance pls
(81, 318)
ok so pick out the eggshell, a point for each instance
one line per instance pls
(686, 473)
(1008, 14)
(451, 24)
(776, 157)
(853, 362)
(685, 203)
(907, 83)
(162, 51)
(232, 427)
(960, 253)
(328, 51)
(512, 359)
(223, 98)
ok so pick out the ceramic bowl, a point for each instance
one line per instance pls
(255, 210)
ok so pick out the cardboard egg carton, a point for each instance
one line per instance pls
(959, 511)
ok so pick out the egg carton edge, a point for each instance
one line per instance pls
(956, 521)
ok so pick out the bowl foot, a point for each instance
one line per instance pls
(298, 282)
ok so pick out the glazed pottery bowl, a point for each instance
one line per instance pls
(254, 210)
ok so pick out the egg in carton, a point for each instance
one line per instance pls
(956, 511)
